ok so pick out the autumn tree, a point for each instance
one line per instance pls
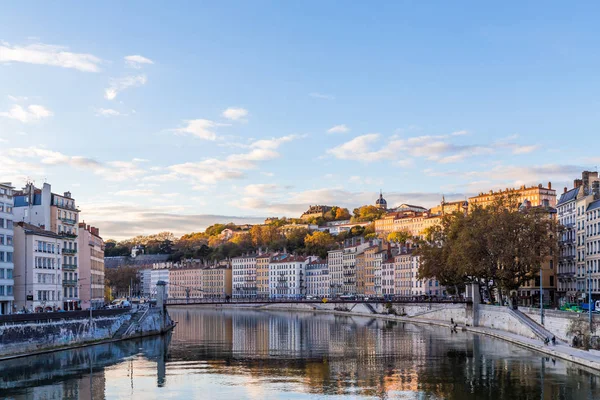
(399, 237)
(500, 246)
(319, 243)
(367, 213)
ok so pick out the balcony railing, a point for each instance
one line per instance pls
(69, 282)
(69, 267)
(570, 257)
(68, 220)
(69, 235)
(69, 251)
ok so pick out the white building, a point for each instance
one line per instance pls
(287, 276)
(349, 265)
(335, 260)
(317, 278)
(38, 275)
(388, 283)
(592, 245)
(567, 215)
(145, 281)
(7, 282)
(243, 271)
(156, 275)
(58, 214)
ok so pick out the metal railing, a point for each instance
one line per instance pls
(51, 316)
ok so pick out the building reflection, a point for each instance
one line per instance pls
(314, 353)
(342, 355)
(78, 373)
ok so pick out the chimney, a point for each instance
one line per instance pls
(577, 183)
(68, 195)
(596, 189)
(549, 185)
(565, 190)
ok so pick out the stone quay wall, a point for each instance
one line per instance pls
(38, 333)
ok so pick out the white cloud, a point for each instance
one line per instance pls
(235, 113)
(338, 129)
(201, 128)
(33, 112)
(459, 133)
(525, 149)
(318, 95)
(137, 61)
(108, 112)
(234, 166)
(44, 54)
(118, 85)
(433, 148)
(17, 99)
(135, 193)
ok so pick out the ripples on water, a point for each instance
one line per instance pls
(243, 354)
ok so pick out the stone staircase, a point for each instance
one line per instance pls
(536, 328)
(128, 326)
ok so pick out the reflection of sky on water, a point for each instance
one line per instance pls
(229, 354)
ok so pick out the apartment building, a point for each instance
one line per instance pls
(91, 266)
(217, 281)
(7, 282)
(185, 283)
(262, 275)
(39, 277)
(536, 195)
(243, 270)
(317, 278)
(349, 255)
(336, 279)
(287, 276)
(406, 268)
(58, 214)
(159, 273)
(592, 243)
(567, 242)
(388, 277)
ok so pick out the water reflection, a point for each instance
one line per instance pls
(278, 355)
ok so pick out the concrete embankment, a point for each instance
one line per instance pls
(499, 322)
(28, 334)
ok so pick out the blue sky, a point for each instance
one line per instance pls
(173, 116)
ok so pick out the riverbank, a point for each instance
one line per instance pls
(33, 334)
(494, 319)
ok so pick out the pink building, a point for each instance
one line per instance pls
(91, 266)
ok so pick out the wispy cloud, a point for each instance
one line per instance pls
(32, 113)
(201, 128)
(45, 54)
(338, 129)
(137, 61)
(235, 113)
(108, 112)
(323, 96)
(118, 85)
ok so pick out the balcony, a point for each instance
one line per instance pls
(69, 251)
(69, 267)
(68, 220)
(69, 282)
(68, 235)
(567, 257)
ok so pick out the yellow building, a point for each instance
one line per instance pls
(216, 281)
(186, 283)
(360, 271)
(262, 275)
(537, 195)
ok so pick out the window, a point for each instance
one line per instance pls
(9, 240)
(9, 256)
(9, 290)
(1, 290)
(1, 256)
(1, 239)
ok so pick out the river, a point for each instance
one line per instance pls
(245, 354)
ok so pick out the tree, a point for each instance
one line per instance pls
(500, 246)
(399, 237)
(342, 214)
(367, 213)
(319, 243)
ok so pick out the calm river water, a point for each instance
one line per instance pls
(241, 354)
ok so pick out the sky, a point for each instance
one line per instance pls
(176, 115)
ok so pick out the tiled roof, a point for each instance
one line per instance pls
(594, 205)
(568, 196)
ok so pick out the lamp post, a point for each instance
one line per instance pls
(542, 295)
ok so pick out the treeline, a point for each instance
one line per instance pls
(214, 244)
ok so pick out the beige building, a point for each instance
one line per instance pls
(38, 272)
(217, 281)
(412, 222)
(537, 195)
(262, 275)
(91, 266)
(186, 283)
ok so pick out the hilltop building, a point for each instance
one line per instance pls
(317, 211)
(537, 195)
